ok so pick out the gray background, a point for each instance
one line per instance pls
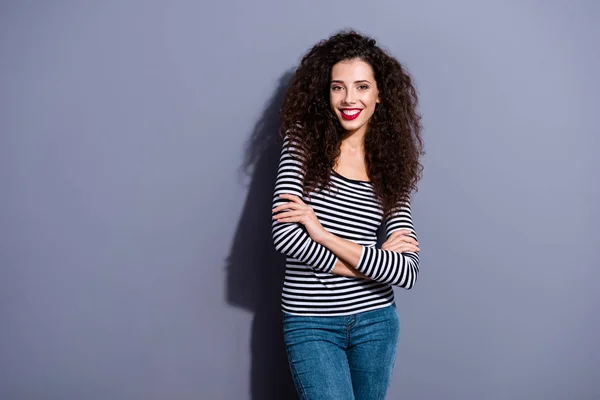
(137, 163)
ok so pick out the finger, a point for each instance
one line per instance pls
(288, 214)
(290, 219)
(408, 250)
(401, 232)
(286, 206)
(404, 239)
(413, 249)
(291, 197)
(402, 248)
(399, 240)
(410, 247)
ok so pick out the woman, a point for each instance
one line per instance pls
(350, 160)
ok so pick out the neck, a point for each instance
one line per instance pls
(355, 139)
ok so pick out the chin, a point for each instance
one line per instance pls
(351, 125)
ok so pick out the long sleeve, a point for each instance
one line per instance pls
(291, 238)
(386, 266)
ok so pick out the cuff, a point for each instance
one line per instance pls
(362, 260)
(328, 268)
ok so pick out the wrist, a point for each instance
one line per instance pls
(324, 238)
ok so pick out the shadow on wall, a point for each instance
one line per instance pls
(255, 271)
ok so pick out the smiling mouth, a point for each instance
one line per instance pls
(350, 113)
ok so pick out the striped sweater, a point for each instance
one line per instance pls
(351, 211)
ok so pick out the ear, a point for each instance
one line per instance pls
(378, 99)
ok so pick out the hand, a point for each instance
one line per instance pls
(400, 242)
(298, 211)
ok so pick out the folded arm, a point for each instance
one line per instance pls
(291, 238)
(386, 266)
(331, 253)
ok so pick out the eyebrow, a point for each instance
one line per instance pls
(361, 81)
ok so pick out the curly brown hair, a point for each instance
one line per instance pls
(392, 143)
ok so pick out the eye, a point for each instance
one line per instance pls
(336, 88)
(363, 87)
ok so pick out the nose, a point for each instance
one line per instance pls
(350, 96)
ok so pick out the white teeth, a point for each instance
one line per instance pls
(351, 112)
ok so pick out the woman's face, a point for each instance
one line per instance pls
(353, 93)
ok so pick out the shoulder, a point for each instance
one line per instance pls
(292, 138)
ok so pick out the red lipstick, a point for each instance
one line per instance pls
(350, 117)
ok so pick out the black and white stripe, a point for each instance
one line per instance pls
(349, 210)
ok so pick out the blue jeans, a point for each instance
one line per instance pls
(342, 358)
